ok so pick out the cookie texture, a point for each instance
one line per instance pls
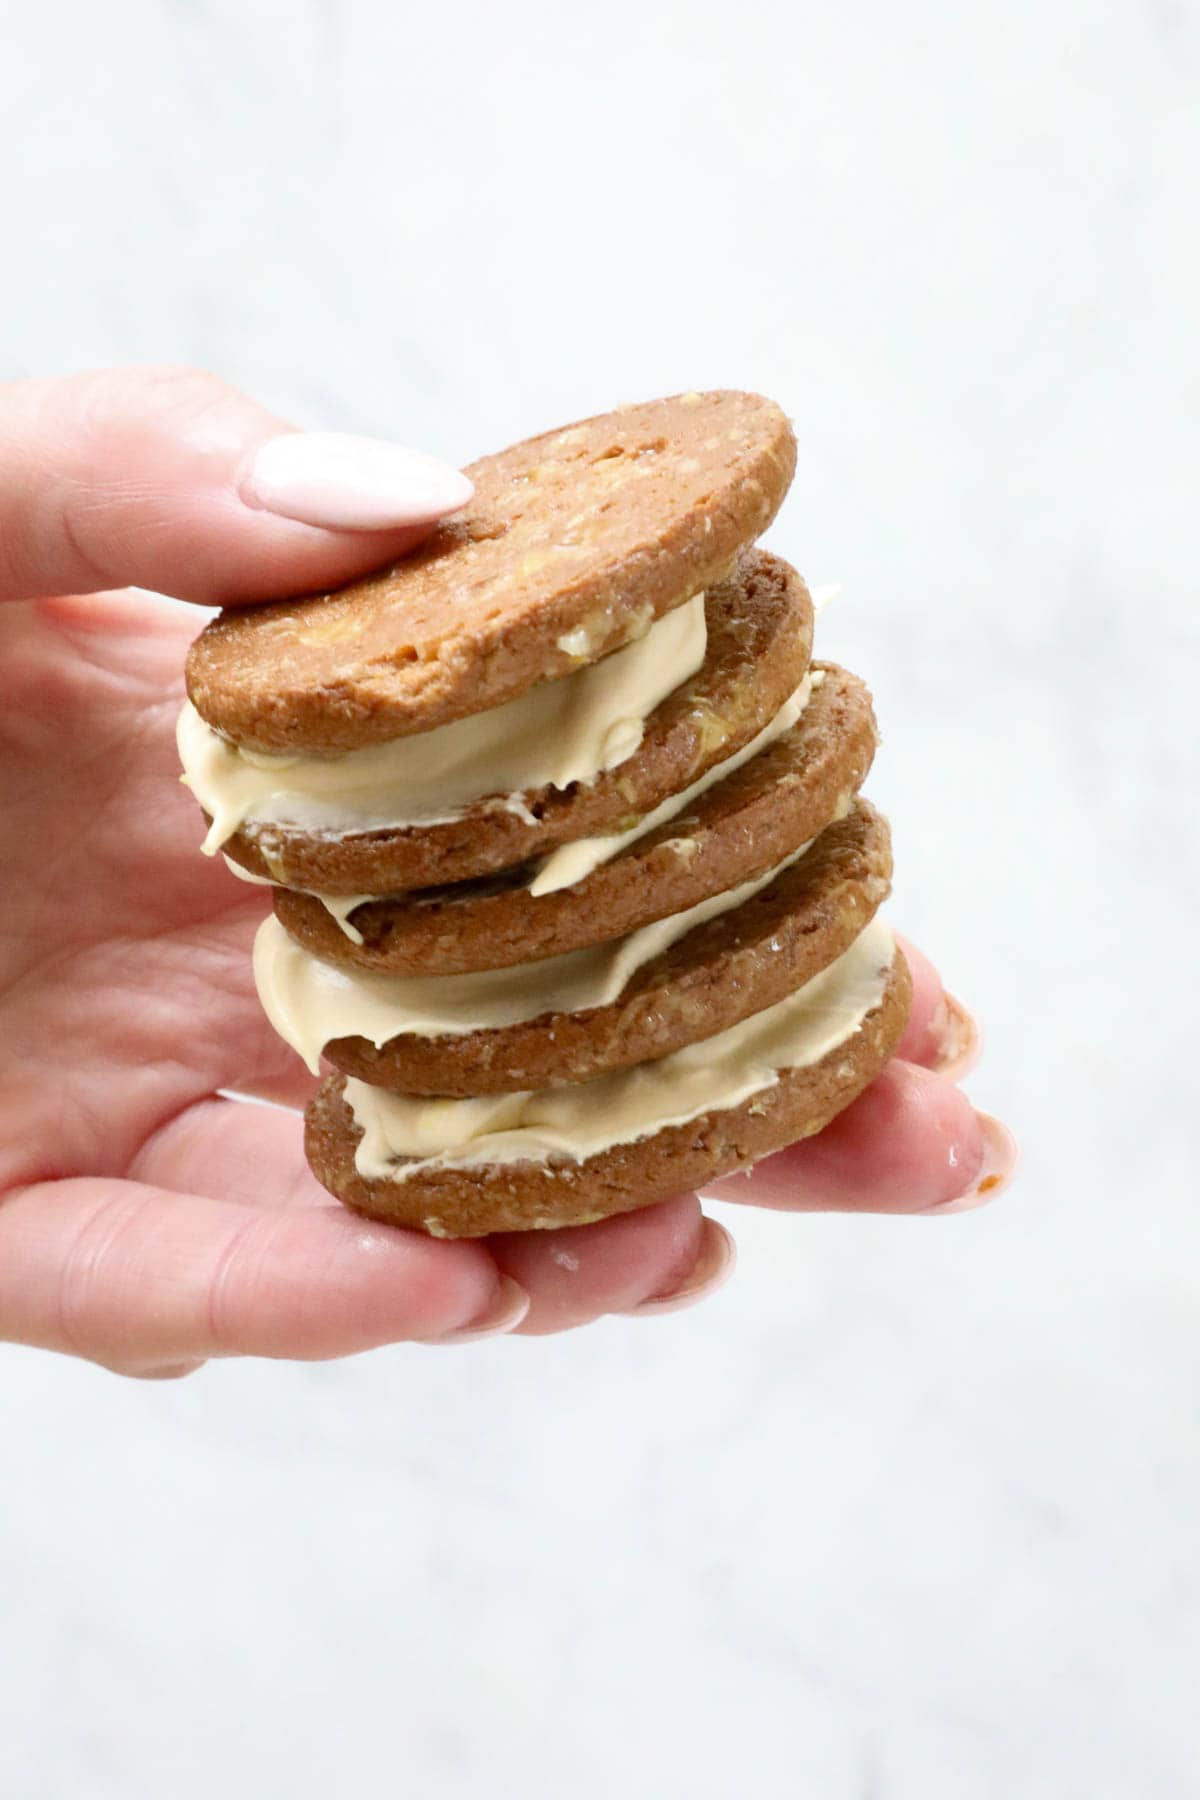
(742, 825)
(720, 973)
(473, 1202)
(759, 642)
(574, 543)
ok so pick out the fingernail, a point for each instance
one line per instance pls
(347, 483)
(958, 1038)
(165, 1371)
(506, 1311)
(712, 1268)
(1000, 1158)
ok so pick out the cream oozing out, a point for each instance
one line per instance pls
(339, 906)
(570, 863)
(309, 1002)
(401, 1135)
(560, 732)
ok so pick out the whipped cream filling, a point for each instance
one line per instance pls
(309, 1001)
(572, 862)
(560, 732)
(822, 597)
(339, 906)
(247, 875)
(578, 1122)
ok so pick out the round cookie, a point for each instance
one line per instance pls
(721, 972)
(574, 543)
(473, 1202)
(742, 825)
(759, 642)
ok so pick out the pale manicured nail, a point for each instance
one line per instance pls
(711, 1270)
(1000, 1159)
(347, 483)
(165, 1371)
(506, 1311)
(958, 1039)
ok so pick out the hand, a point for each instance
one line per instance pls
(147, 1222)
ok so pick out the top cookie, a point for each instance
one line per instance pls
(574, 543)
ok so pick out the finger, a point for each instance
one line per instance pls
(247, 1154)
(941, 1034)
(647, 1261)
(654, 1260)
(912, 1143)
(168, 479)
(173, 1371)
(140, 1278)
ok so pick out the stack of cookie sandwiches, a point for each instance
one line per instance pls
(573, 886)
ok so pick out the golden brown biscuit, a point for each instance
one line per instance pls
(587, 534)
(722, 971)
(742, 825)
(759, 643)
(473, 1202)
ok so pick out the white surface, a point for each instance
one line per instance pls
(912, 1509)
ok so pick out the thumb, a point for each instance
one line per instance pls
(169, 479)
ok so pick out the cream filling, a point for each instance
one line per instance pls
(559, 732)
(340, 906)
(579, 1122)
(822, 597)
(235, 868)
(309, 1001)
(572, 862)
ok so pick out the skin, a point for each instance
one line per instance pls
(147, 1223)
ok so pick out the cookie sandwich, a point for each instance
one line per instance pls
(574, 891)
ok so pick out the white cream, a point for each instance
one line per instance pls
(235, 868)
(579, 1122)
(821, 597)
(340, 906)
(571, 862)
(559, 732)
(309, 1002)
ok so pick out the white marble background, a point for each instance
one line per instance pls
(911, 1511)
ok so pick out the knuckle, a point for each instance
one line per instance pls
(118, 403)
(180, 387)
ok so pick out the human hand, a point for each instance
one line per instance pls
(147, 1222)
